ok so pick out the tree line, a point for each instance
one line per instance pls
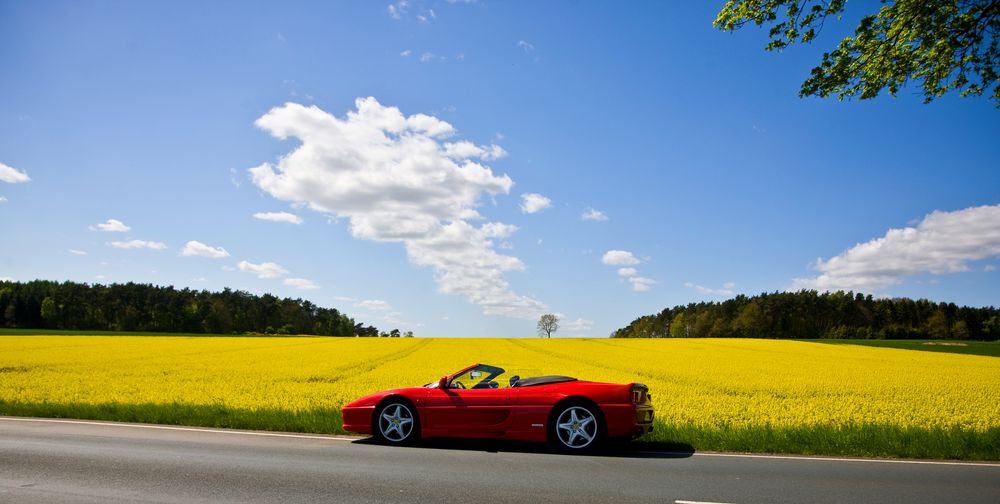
(41, 304)
(808, 314)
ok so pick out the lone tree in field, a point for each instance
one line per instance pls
(949, 45)
(548, 324)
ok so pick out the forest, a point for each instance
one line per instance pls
(41, 304)
(809, 314)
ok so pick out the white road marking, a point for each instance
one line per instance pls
(697, 502)
(185, 429)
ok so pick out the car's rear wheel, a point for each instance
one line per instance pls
(396, 423)
(576, 428)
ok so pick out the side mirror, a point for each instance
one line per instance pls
(443, 382)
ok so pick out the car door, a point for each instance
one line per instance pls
(467, 412)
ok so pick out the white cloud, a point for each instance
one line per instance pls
(497, 230)
(406, 53)
(533, 203)
(426, 16)
(3, 199)
(594, 215)
(374, 305)
(526, 46)
(989, 268)
(578, 327)
(641, 284)
(138, 244)
(278, 217)
(262, 270)
(111, 226)
(726, 290)
(396, 182)
(196, 248)
(402, 9)
(619, 258)
(429, 125)
(626, 258)
(199, 279)
(77, 252)
(943, 242)
(428, 56)
(465, 149)
(234, 179)
(383, 309)
(12, 176)
(300, 283)
(6, 279)
(397, 9)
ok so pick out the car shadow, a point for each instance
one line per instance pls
(635, 449)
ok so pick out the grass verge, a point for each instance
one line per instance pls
(845, 440)
(987, 348)
(317, 421)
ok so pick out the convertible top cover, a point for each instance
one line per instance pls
(542, 380)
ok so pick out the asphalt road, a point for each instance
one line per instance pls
(68, 461)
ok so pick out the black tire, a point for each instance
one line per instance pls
(396, 423)
(576, 427)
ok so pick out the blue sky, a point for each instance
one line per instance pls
(456, 169)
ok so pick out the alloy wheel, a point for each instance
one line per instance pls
(576, 427)
(396, 422)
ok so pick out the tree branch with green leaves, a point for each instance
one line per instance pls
(945, 45)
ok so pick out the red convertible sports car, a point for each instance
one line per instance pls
(572, 415)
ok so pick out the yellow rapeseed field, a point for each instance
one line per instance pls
(718, 386)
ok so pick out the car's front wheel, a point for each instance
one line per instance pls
(577, 428)
(397, 423)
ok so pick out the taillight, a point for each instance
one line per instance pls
(640, 394)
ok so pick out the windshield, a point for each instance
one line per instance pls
(484, 376)
(480, 377)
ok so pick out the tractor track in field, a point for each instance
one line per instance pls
(588, 362)
(367, 364)
(676, 379)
